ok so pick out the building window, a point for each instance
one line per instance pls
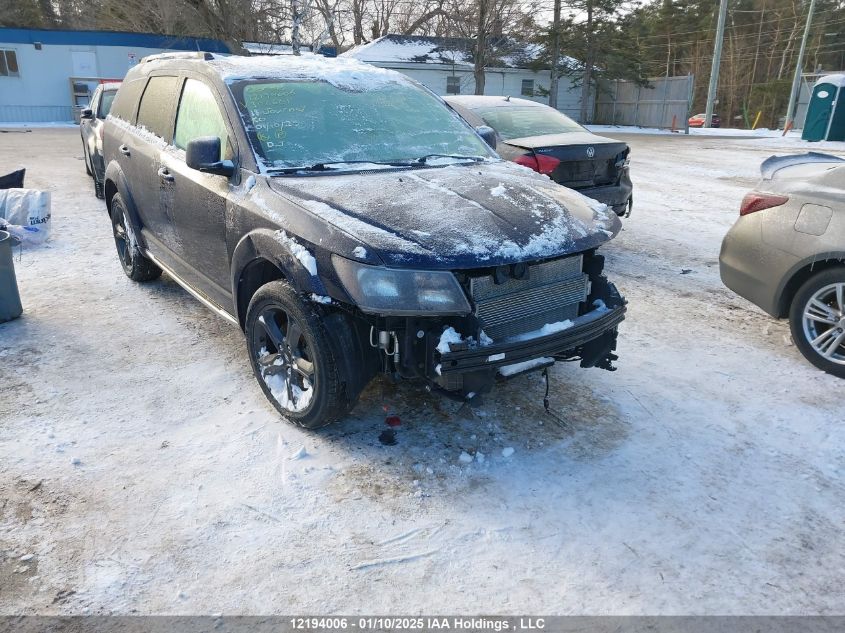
(453, 85)
(8, 64)
(528, 87)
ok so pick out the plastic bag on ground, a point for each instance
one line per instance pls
(26, 214)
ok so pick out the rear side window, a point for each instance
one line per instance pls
(199, 115)
(106, 100)
(126, 100)
(156, 110)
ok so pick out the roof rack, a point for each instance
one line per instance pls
(203, 55)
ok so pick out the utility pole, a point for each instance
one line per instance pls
(717, 59)
(555, 56)
(799, 67)
(294, 32)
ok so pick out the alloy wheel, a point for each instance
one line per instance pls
(824, 322)
(284, 359)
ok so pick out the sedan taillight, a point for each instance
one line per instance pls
(538, 162)
(758, 201)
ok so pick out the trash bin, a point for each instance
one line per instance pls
(10, 300)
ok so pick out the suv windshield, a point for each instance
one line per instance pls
(515, 122)
(305, 123)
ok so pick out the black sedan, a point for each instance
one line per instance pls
(540, 137)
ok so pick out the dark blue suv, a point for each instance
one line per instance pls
(351, 224)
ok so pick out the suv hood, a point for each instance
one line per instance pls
(459, 216)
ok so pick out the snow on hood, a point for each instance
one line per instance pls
(459, 216)
(346, 73)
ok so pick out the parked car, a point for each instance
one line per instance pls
(549, 142)
(351, 224)
(786, 253)
(698, 120)
(91, 129)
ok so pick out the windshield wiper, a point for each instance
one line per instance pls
(327, 166)
(424, 159)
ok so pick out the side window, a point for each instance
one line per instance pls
(199, 115)
(453, 85)
(106, 99)
(155, 112)
(528, 87)
(126, 100)
(9, 64)
(95, 101)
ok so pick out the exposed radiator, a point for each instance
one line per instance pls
(551, 293)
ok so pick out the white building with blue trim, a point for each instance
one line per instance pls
(45, 74)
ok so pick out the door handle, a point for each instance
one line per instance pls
(123, 150)
(165, 175)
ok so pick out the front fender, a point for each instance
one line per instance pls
(114, 177)
(270, 245)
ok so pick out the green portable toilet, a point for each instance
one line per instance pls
(826, 112)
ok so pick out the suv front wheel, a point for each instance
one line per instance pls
(293, 357)
(817, 320)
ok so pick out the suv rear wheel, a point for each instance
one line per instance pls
(293, 357)
(135, 265)
(817, 320)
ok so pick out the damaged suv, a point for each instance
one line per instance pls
(351, 224)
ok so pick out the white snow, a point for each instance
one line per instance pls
(465, 458)
(249, 183)
(449, 336)
(360, 252)
(517, 368)
(705, 476)
(140, 131)
(299, 251)
(498, 191)
(508, 451)
(548, 328)
(320, 298)
(342, 72)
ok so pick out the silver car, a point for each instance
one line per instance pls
(786, 252)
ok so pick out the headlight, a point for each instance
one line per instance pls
(380, 290)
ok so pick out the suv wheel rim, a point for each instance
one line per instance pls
(121, 239)
(824, 322)
(284, 360)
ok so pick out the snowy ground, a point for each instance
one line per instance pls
(142, 471)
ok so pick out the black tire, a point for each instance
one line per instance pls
(135, 265)
(300, 372)
(825, 329)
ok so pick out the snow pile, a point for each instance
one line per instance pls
(276, 382)
(449, 336)
(359, 252)
(546, 330)
(345, 73)
(498, 191)
(299, 251)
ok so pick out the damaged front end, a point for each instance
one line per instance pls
(523, 317)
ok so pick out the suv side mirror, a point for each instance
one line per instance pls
(203, 154)
(488, 134)
(87, 113)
